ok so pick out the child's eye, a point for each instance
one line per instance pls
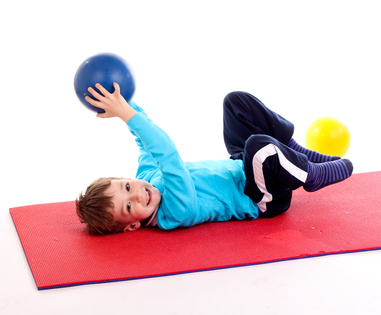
(128, 187)
(128, 207)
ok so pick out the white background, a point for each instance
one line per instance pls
(304, 59)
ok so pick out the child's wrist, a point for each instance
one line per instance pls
(127, 115)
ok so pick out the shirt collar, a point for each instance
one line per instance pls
(151, 221)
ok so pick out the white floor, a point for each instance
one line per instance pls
(303, 60)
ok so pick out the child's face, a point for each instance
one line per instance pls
(134, 201)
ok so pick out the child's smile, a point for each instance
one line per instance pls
(134, 201)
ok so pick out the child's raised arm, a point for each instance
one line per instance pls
(113, 104)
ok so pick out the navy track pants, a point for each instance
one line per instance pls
(259, 137)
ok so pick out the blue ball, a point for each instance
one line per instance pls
(105, 69)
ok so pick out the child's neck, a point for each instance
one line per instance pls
(150, 221)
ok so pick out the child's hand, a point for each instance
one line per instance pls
(114, 104)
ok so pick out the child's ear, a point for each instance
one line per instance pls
(132, 227)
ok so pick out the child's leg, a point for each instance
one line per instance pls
(273, 170)
(312, 156)
(324, 174)
(245, 115)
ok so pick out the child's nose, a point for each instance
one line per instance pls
(137, 195)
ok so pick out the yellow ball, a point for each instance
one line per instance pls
(329, 136)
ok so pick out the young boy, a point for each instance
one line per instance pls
(266, 165)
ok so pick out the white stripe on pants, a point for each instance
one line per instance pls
(258, 160)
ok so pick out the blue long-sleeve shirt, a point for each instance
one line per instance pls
(192, 192)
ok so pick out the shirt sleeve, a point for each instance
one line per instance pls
(179, 202)
(146, 163)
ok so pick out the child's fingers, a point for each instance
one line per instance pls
(102, 89)
(95, 93)
(94, 102)
(116, 87)
(90, 100)
(102, 115)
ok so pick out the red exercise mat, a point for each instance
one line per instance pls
(340, 218)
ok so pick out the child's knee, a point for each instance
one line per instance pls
(233, 99)
(256, 142)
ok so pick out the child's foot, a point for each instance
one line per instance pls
(324, 174)
(312, 156)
